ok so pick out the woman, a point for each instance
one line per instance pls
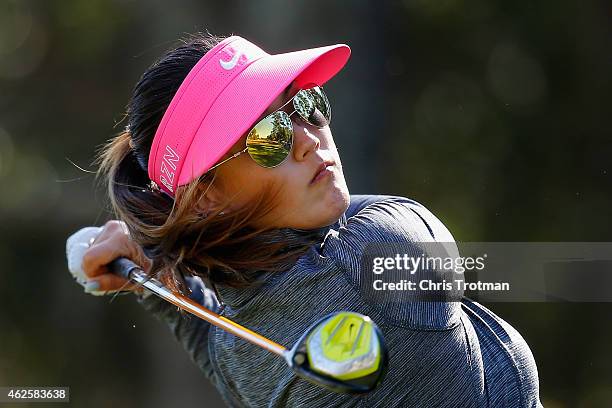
(228, 176)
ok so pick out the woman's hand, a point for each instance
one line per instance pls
(91, 249)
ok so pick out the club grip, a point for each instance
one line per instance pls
(123, 267)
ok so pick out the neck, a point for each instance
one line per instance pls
(293, 237)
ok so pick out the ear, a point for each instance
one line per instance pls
(211, 199)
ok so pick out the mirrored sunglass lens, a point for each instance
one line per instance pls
(304, 104)
(313, 106)
(269, 142)
(321, 102)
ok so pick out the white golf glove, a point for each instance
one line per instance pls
(76, 245)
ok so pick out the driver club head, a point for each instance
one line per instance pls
(343, 351)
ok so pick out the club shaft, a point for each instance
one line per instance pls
(129, 270)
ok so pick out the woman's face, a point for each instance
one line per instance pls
(302, 204)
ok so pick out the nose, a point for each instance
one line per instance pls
(304, 141)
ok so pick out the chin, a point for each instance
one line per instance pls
(334, 206)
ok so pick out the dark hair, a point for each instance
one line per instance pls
(222, 247)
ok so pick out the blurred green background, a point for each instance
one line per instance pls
(495, 115)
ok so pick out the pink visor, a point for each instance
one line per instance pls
(221, 98)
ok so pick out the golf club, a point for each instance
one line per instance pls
(343, 351)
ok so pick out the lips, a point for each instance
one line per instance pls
(322, 167)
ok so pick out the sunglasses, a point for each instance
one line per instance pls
(270, 141)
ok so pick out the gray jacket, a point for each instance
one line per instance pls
(441, 354)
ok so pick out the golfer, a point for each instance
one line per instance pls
(230, 190)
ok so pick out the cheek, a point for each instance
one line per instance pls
(328, 143)
(247, 179)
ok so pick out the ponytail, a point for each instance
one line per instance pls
(144, 210)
